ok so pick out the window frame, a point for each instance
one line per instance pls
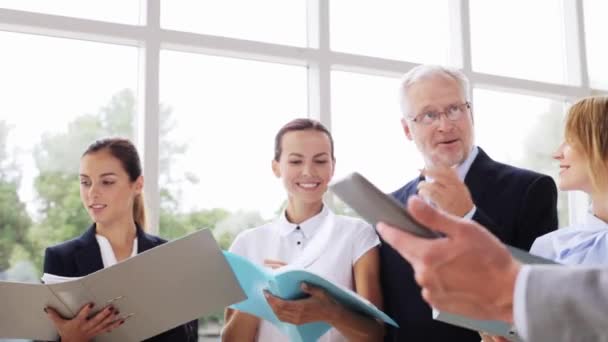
(149, 37)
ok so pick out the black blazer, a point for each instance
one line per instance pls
(516, 205)
(81, 256)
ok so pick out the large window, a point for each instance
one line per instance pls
(224, 114)
(117, 11)
(596, 27)
(521, 130)
(391, 29)
(507, 39)
(369, 138)
(203, 86)
(59, 95)
(272, 21)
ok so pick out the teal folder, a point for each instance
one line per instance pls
(285, 284)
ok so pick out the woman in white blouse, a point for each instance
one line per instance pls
(583, 163)
(583, 159)
(309, 235)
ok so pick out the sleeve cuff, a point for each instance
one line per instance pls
(520, 318)
(469, 215)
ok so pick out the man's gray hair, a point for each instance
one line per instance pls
(425, 71)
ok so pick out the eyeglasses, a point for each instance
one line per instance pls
(453, 113)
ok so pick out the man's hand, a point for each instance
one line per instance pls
(446, 191)
(468, 272)
(274, 264)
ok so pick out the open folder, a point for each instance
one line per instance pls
(156, 290)
(285, 283)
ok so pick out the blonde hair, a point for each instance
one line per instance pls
(587, 129)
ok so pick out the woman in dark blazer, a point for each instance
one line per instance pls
(111, 184)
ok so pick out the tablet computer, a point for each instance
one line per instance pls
(375, 206)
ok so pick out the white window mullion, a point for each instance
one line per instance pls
(576, 74)
(319, 69)
(575, 45)
(460, 35)
(149, 110)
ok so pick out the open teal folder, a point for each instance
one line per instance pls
(285, 284)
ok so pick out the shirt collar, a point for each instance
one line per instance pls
(308, 227)
(592, 222)
(107, 253)
(463, 168)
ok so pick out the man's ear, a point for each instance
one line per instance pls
(406, 129)
(276, 168)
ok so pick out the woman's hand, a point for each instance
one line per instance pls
(274, 264)
(491, 338)
(319, 306)
(83, 328)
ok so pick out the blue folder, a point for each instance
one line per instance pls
(285, 284)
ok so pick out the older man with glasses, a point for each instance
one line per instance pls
(459, 178)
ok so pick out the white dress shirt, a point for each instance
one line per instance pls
(581, 244)
(107, 253)
(326, 244)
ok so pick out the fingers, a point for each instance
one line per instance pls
(433, 218)
(101, 319)
(408, 245)
(430, 191)
(279, 307)
(442, 175)
(485, 337)
(54, 316)
(294, 311)
(84, 327)
(314, 291)
(273, 301)
(109, 324)
(84, 312)
(274, 264)
(490, 338)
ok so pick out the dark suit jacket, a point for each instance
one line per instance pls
(516, 205)
(81, 256)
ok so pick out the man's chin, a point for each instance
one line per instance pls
(449, 161)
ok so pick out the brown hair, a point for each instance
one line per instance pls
(301, 124)
(124, 150)
(587, 129)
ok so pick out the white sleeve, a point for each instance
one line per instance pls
(519, 302)
(364, 239)
(239, 245)
(470, 214)
(543, 246)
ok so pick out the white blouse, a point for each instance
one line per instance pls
(107, 253)
(582, 244)
(326, 244)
